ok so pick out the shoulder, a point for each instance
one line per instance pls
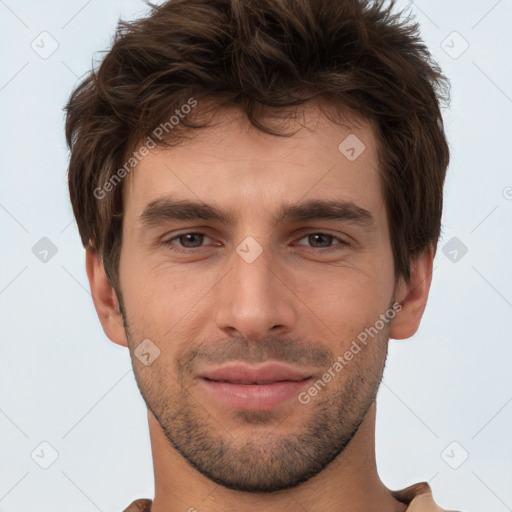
(142, 505)
(419, 498)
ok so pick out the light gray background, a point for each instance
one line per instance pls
(63, 382)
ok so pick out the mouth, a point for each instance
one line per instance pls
(250, 383)
(255, 388)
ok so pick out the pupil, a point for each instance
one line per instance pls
(185, 239)
(315, 238)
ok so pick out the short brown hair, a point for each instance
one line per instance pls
(258, 55)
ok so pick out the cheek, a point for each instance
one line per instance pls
(349, 303)
(349, 295)
(159, 288)
(167, 305)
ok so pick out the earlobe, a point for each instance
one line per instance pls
(413, 296)
(104, 298)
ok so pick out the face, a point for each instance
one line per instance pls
(255, 265)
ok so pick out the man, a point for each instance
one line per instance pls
(258, 186)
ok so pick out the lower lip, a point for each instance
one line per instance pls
(255, 396)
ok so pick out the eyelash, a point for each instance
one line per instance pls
(169, 243)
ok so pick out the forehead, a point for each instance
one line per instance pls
(232, 163)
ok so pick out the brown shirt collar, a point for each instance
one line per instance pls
(417, 496)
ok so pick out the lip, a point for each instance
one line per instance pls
(256, 388)
(242, 373)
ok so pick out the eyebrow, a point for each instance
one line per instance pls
(346, 211)
(162, 210)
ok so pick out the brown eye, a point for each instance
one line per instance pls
(184, 241)
(191, 240)
(322, 241)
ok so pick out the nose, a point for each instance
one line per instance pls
(253, 299)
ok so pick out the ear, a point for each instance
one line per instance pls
(104, 298)
(412, 296)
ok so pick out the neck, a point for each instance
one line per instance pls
(350, 482)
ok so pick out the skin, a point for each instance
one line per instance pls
(302, 301)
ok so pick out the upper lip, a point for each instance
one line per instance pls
(244, 374)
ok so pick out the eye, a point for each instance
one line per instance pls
(189, 240)
(323, 241)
